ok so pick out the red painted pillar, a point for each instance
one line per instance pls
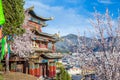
(54, 70)
(32, 69)
(37, 70)
(50, 70)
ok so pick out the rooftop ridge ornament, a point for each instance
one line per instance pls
(31, 8)
(51, 18)
(2, 18)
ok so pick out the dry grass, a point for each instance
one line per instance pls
(18, 76)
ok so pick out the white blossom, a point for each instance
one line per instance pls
(107, 61)
(22, 45)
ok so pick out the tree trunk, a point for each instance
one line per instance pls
(7, 63)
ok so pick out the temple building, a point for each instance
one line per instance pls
(43, 61)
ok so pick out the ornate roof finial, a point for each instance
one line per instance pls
(51, 18)
(31, 8)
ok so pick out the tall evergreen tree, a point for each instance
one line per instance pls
(14, 16)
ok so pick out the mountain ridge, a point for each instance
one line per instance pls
(69, 43)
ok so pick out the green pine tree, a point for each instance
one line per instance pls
(14, 16)
(63, 74)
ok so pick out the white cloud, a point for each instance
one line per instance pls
(66, 20)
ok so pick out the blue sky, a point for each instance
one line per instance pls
(71, 16)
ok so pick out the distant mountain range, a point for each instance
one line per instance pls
(69, 43)
(66, 44)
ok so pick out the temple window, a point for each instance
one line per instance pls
(31, 19)
(38, 21)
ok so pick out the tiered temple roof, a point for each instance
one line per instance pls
(35, 18)
(33, 14)
(51, 56)
(42, 50)
(44, 35)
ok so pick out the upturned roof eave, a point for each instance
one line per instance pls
(33, 14)
(53, 56)
(48, 35)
